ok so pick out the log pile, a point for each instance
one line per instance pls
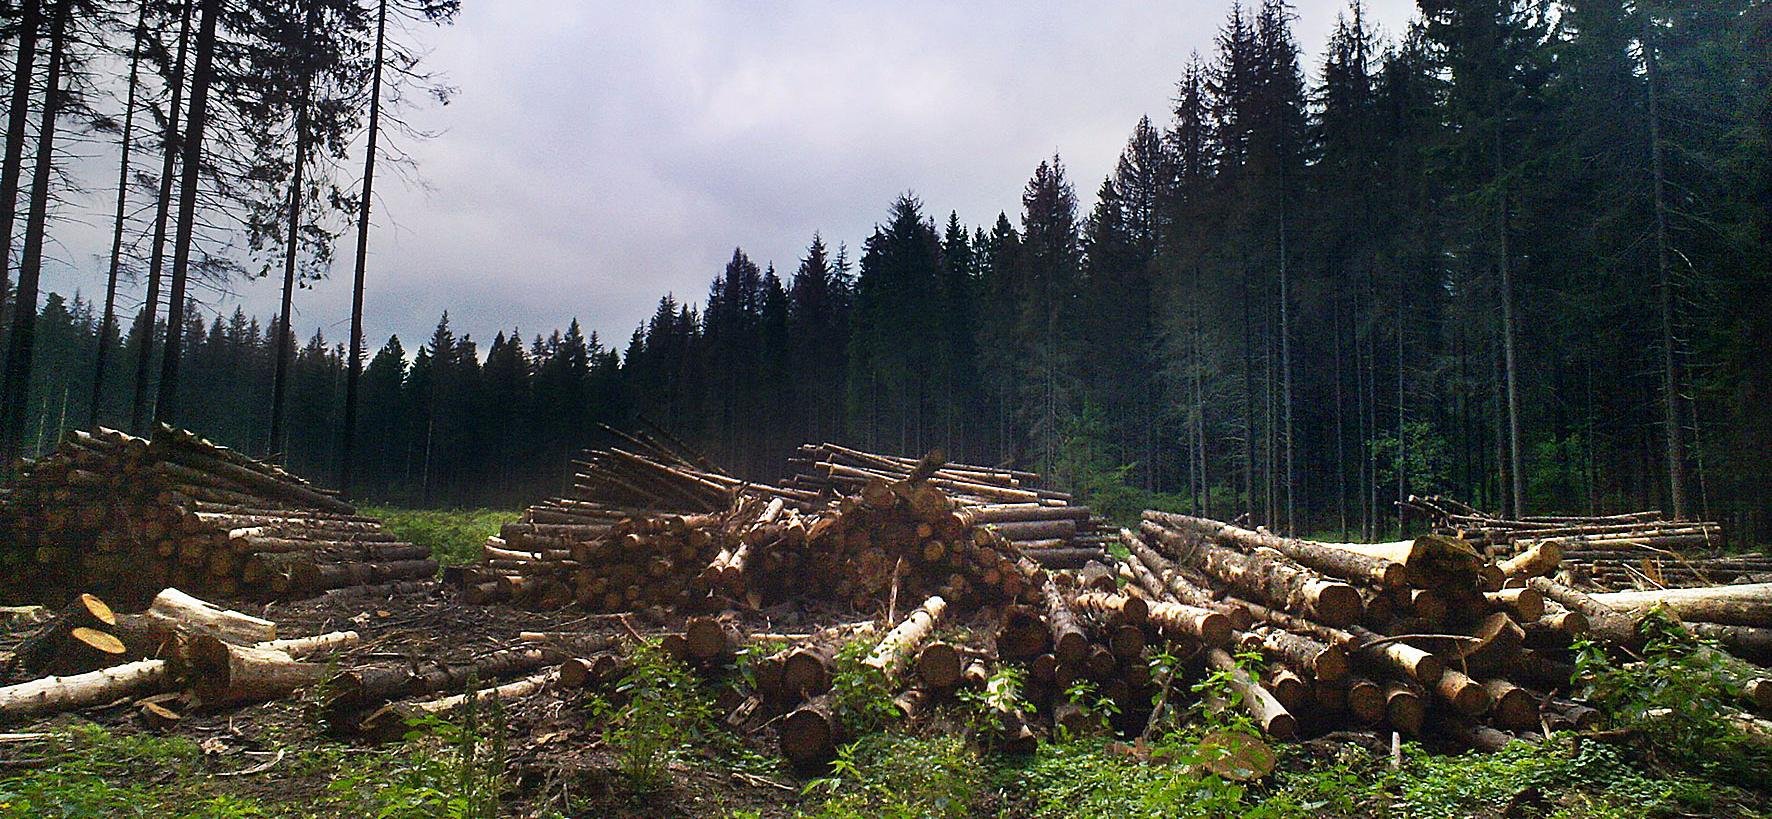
(1042, 523)
(1632, 531)
(904, 536)
(123, 516)
(1419, 636)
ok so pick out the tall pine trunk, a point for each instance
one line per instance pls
(166, 403)
(1286, 363)
(144, 355)
(18, 121)
(108, 321)
(15, 395)
(1516, 466)
(353, 375)
(285, 338)
(1676, 449)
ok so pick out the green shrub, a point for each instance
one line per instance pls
(662, 714)
(454, 536)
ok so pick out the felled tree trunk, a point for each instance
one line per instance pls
(55, 694)
(1270, 578)
(900, 644)
(181, 609)
(395, 718)
(1269, 715)
(1748, 604)
(1327, 558)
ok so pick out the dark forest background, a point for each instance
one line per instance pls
(1520, 253)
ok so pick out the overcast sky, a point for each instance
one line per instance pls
(601, 154)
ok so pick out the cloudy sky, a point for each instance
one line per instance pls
(600, 154)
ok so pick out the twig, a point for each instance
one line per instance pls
(257, 769)
(754, 779)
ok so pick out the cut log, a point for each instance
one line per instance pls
(1269, 715)
(358, 688)
(56, 694)
(1176, 620)
(901, 643)
(1748, 604)
(221, 673)
(1431, 561)
(709, 637)
(1523, 603)
(1329, 558)
(78, 639)
(1514, 709)
(178, 608)
(939, 665)
(1114, 609)
(1269, 576)
(809, 734)
(1541, 558)
(394, 719)
(1404, 707)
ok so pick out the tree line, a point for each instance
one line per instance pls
(1511, 252)
(234, 131)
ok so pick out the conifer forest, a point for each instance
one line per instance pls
(1509, 253)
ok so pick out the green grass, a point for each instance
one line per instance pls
(88, 771)
(453, 535)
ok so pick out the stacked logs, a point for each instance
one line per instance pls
(905, 536)
(1418, 635)
(1042, 523)
(124, 516)
(1646, 533)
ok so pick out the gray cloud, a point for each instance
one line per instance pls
(601, 154)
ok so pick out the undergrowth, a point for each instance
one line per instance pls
(454, 770)
(454, 536)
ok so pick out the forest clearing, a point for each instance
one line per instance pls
(666, 639)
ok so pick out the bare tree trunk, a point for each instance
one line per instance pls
(138, 415)
(1676, 449)
(1515, 460)
(1286, 361)
(166, 403)
(1248, 406)
(107, 323)
(285, 338)
(21, 343)
(1340, 428)
(18, 120)
(348, 447)
(1402, 428)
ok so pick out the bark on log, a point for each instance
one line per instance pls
(1329, 558)
(56, 694)
(1748, 604)
(1269, 715)
(1269, 576)
(178, 608)
(394, 719)
(900, 644)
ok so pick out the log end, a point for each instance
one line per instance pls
(1337, 604)
(938, 664)
(807, 737)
